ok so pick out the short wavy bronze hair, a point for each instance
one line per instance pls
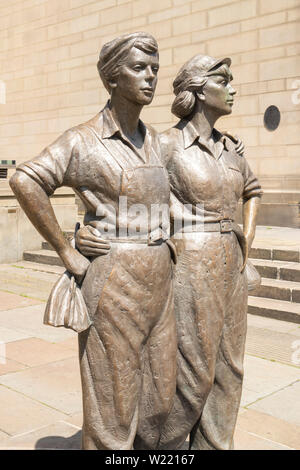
(114, 53)
(191, 78)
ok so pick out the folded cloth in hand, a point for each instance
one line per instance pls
(66, 306)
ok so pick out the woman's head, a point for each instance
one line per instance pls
(115, 53)
(194, 78)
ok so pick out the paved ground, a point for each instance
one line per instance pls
(275, 237)
(40, 390)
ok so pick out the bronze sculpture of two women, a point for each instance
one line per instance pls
(153, 373)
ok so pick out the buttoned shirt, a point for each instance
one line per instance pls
(92, 158)
(207, 181)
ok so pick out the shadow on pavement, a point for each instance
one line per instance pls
(69, 443)
(59, 442)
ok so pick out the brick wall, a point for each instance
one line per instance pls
(49, 50)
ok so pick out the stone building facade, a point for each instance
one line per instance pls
(49, 80)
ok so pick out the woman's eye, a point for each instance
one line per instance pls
(154, 69)
(137, 68)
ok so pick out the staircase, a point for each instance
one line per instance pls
(278, 296)
(279, 293)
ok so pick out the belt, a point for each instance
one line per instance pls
(148, 242)
(223, 226)
(138, 241)
(155, 237)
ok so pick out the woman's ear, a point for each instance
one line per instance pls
(112, 85)
(200, 95)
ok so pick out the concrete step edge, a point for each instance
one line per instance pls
(277, 309)
(291, 254)
(284, 270)
(43, 257)
(279, 290)
(266, 281)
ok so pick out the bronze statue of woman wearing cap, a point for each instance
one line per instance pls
(208, 177)
(128, 292)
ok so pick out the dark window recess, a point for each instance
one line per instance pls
(272, 118)
(3, 173)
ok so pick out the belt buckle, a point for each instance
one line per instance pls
(155, 236)
(225, 226)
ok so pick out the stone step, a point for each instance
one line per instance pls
(275, 254)
(43, 257)
(28, 279)
(284, 270)
(277, 309)
(47, 246)
(279, 290)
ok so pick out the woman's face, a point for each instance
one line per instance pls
(218, 92)
(137, 78)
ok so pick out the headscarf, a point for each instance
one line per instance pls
(113, 54)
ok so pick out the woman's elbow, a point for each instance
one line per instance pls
(18, 181)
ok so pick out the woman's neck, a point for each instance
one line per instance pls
(126, 115)
(204, 121)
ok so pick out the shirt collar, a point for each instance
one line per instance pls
(110, 127)
(190, 134)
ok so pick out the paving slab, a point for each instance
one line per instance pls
(277, 346)
(3, 438)
(7, 366)
(10, 301)
(8, 334)
(272, 324)
(29, 320)
(281, 404)
(270, 236)
(56, 384)
(22, 414)
(266, 377)
(244, 440)
(269, 427)
(76, 419)
(70, 343)
(35, 352)
(56, 436)
(249, 396)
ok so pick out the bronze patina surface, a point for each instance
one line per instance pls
(128, 292)
(208, 174)
(152, 375)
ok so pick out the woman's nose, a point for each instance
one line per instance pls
(232, 90)
(150, 75)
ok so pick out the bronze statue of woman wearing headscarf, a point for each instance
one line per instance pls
(128, 292)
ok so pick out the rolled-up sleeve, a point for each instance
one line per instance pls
(252, 187)
(50, 168)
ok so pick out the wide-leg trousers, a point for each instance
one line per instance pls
(133, 335)
(210, 307)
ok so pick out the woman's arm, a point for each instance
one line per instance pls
(250, 212)
(36, 204)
